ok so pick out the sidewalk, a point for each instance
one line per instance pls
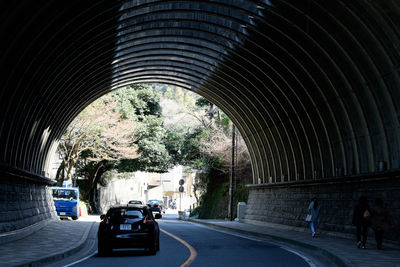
(342, 251)
(48, 244)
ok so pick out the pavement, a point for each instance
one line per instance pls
(59, 239)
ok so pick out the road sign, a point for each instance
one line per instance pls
(181, 182)
(181, 189)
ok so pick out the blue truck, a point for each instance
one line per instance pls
(66, 200)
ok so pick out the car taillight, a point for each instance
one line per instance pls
(147, 221)
(158, 206)
(105, 222)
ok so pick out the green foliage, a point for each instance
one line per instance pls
(141, 103)
(202, 102)
(241, 193)
(93, 172)
(151, 127)
(137, 101)
(211, 201)
(191, 147)
(225, 123)
(125, 107)
(216, 199)
(154, 156)
(195, 211)
(191, 151)
(169, 93)
(185, 98)
(179, 96)
(174, 143)
(189, 100)
(128, 165)
(108, 176)
(151, 144)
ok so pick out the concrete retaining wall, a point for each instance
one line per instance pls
(121, 191)
(24, 200)
(287, 203)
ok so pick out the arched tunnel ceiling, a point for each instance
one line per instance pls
(313, 86)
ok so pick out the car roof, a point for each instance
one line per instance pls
(124, 206)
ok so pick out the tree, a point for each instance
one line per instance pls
(169, 93)
(208, 148)
(100, 130)
(151, 136)
(115, 129)
(137, 101)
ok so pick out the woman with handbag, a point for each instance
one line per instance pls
(362, 220)
(313, 210)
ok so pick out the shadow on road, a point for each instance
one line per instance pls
(125, 253)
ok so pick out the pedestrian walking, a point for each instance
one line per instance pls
(381, 221)
(313, 210)
(362, 220)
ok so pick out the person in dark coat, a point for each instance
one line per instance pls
(380, 221)
(362, 220)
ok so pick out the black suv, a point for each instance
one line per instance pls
(128, 226)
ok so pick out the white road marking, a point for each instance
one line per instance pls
(83, 259)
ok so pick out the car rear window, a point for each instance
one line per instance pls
(121, 214)
(154, 202)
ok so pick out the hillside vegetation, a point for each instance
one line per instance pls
(153, 128)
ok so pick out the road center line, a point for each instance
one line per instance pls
(193, 253)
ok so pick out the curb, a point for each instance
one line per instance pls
(24, 232)
(334, 258)
(63, 254)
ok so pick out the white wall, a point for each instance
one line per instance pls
(184, 201)
(170, 179)
(155, 193)
(120, 191)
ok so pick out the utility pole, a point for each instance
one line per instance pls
(232, 176)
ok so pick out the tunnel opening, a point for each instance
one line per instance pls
(143, 132)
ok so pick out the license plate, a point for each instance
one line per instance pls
(125, 227)
(62, 213)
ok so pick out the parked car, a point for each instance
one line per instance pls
(156, 205)
(135, 202)
(128, 226)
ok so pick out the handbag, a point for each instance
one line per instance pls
(308, 218)
(367, 215)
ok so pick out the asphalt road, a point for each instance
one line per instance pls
(188, 244)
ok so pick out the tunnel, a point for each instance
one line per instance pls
(312, 86)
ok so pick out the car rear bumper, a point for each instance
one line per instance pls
(67, 214)
(128, 240)
(155, 209)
